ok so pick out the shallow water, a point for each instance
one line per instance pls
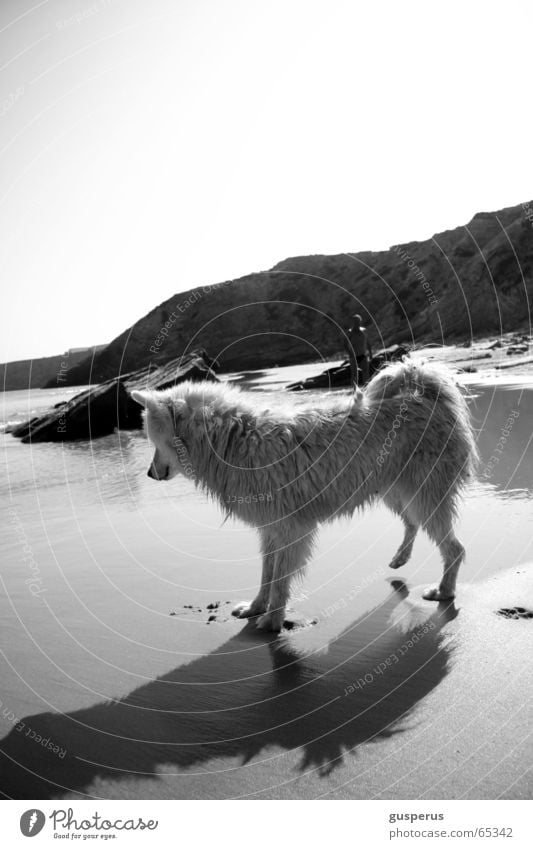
(106, 578)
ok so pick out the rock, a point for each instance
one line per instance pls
(23, 429)
(100, 410)
(212, 619)
(341, 376)
(197, 366)
(95, 412)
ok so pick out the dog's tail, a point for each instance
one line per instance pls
(433, 385)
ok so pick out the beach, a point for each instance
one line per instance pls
(124, 674)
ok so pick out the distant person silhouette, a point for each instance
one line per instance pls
(359, 352)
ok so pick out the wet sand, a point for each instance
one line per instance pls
(127, 690)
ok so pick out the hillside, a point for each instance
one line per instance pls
(42, 371)
(473, 280)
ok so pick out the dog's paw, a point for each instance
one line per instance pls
(436, 594)
(246, 609)
(295, 623)
(397, 561)
(271, 621)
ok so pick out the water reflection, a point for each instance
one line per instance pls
(107, 469)
(503, 417)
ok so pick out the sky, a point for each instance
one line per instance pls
(150, 147)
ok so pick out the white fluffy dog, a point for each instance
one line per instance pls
(286, 467)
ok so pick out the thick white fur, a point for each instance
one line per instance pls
(285, 467)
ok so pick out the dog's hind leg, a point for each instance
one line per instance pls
(289, 559)
(246, 609)
(404, 552)
(439, 528)
(406, 548)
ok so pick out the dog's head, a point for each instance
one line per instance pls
(170, 457)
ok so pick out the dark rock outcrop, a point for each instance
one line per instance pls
(471, 281)
(101, 409)
(94, 412)
(341, 375)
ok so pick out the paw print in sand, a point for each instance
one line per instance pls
(515, 613)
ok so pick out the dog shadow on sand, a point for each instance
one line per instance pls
(256, 695)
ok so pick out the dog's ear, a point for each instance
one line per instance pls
(145, 399)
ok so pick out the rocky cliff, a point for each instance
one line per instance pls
(473, 280)
(44, 371)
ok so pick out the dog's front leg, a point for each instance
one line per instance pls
(289, 558)
(246, 609)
